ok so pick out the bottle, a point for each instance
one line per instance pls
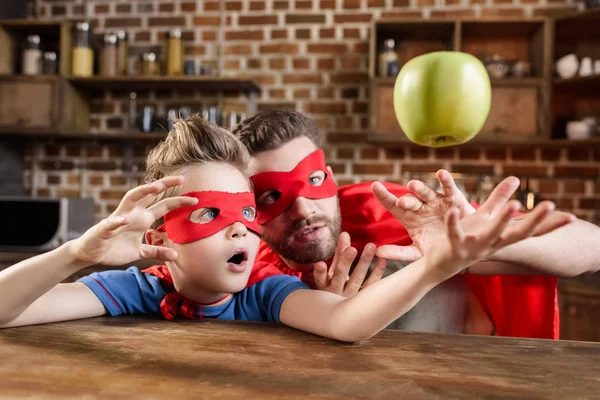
(49, 63)
(174, 53)
(387, 56)
(32, 56)
(108, 56)
(83, 55)
(122, 53)
(149, 64)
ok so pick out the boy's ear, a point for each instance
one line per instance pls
(155, 238)
(330, 173)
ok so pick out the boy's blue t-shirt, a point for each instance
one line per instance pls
(135, 292)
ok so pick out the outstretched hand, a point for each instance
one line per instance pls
(117, 239)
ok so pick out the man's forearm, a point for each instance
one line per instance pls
(569, 251)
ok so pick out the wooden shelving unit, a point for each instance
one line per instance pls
(50, 134)
(62, 100)
(520, 105)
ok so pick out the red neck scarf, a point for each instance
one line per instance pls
(174, 304)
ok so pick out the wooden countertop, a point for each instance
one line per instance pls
(140, 357)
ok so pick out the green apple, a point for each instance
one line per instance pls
(442, 98)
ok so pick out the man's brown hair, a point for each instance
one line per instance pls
(271, 129)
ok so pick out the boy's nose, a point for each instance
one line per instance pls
(236, 230)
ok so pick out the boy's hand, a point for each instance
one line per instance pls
(422, 214)
(117, 239)
(336, 279)
(479, 235)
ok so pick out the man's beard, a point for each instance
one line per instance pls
(311, 252)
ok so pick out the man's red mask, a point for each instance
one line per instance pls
(288, 186)
(229, 207)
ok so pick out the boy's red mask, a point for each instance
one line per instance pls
(291, 185)
(232, 208)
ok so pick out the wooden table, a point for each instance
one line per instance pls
(129, 357)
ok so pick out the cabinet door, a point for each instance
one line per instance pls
(28, 104)
(580, 317)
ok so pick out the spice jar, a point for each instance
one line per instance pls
(149, 64)
(388, 59)
(32, 56)
(49, 63)
(82, 55)
(174, 53)
(108, 56)
(122, 53)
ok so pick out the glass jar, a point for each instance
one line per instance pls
(82, 55)
(174, 53)
(108, 56)
(149, 64)
(32, 56)
(49, 63)
(122, 53)
(388, 59)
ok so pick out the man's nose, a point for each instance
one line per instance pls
(302, 208)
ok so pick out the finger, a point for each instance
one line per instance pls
(320, 275)
(455, 233)
(113, 222)
(386, 198)
(447, 183)
(500, 195)
(163, 207)
(145, 194)
(409, 203)
(500, 222)
(423, 190)
(377, 272)
(340, 276)
(360, 271)
(554, 221)
(160, 253)
(399, 253)
(527, 226)
(342, 244)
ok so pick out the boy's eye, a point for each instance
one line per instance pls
(317, 178)
(204, 215)
(249, 213)
(268, 197)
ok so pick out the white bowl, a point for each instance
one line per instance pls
(567, 66)
(578, 130)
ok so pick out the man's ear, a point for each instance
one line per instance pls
(155, 238)
(330, 173)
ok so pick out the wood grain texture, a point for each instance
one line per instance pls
(129, 357)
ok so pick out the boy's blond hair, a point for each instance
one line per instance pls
(191, 142)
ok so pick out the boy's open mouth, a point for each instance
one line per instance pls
(238, 257)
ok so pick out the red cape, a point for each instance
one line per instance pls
(518, 305)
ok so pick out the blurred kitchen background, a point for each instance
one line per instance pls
(87, 87)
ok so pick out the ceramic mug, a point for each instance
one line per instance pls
(586, 67)
(567, 66)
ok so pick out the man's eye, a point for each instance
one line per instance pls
(204, 215)
(268, 197)
(317, 178)
(249, 213)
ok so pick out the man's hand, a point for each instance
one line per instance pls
(117, 239)
(336, 279)
(422, 213)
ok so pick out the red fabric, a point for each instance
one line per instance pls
(521, 306)
(231, 208)
(291, 185)
(173, 303)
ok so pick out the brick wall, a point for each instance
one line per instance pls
(311, 56)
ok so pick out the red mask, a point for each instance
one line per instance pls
(291, 185)
(230, 208)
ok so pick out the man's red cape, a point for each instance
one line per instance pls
(518, 305)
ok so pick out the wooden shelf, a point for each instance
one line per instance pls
(503, 82)
(31, 133)
(579, 82)
(392, 140)
(201, 83)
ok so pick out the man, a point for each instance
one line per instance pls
(302, 213)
